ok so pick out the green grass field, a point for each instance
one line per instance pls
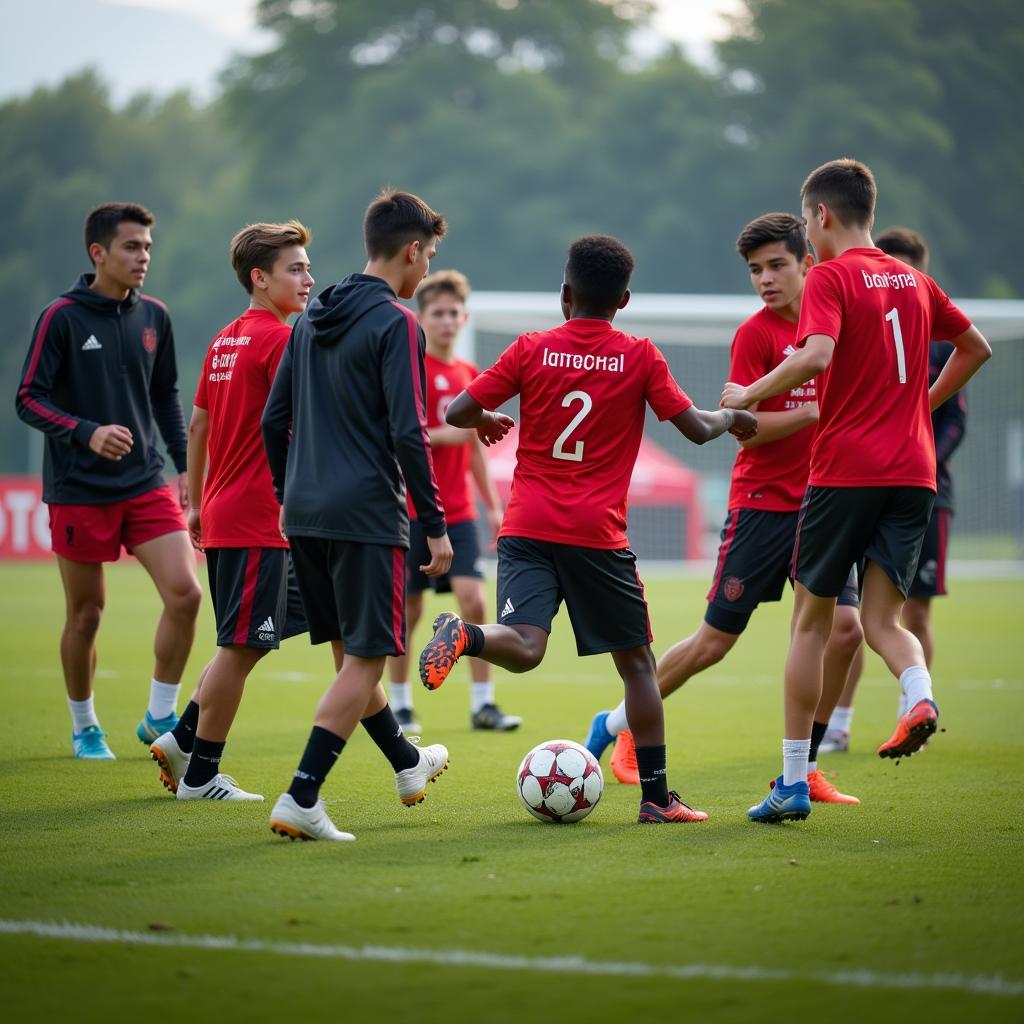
(894, 909)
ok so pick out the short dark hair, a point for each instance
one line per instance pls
(257, 246)
(773, 227)
(396, 218)
(444, 282)
(102, 223)
(598, 271)
(847, 187)
(900, 242)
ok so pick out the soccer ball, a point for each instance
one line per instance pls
(559, 781)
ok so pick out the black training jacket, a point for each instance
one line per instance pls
(94, 361)
(351, 386)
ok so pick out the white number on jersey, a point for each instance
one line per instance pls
(893, 316)
(558, 450)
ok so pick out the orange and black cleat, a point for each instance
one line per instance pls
(912, 730)
(449, 643)
(675, 811)
(623, 763)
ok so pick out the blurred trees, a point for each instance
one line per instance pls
(527, 122)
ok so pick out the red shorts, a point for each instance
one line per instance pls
(96, 533)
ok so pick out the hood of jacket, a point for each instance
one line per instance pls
(337, 309)
(83, 294)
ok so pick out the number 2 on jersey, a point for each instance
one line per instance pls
(558, 449)
(893, 316)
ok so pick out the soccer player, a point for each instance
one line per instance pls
(865, 323)
(344, 425)
(768, 481)
(458, 455)
(584, 388)
(234, 514)
(99, 379)
(949, 421)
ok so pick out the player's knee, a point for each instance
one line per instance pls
(847, 635)
(532, 648)
(184, 602)
(85, 618)
(915, 617)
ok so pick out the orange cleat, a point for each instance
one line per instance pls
(823, 792)
(676, 811)
(448, 644)
(912, 731)
(624, 766)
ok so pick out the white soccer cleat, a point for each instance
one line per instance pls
(171, 758)
(291, 821)
(220, 787)
(412, 783)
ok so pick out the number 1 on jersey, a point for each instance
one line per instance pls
(558, 449)
(893, 316)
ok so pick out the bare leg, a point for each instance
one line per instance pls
(856, 671)
(644, 711)
(347, 698)
(917, 617)
(898, 647)
(85, 596)
(705, 648)
(222, 684)
(809, 633)
(518, 648)
(844, 643)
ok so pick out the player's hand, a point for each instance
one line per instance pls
(734, 396)
(494, 524)
(744, 427)
(280, 524)
(112, 442)
(493, 427)
(183, 489)
(195, 528)
(440, 556)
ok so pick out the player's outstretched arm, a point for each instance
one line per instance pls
(806, 362)
(466, 411)
(701, 425)
(774, 426)
(971, 351)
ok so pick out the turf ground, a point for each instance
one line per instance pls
(908, 906)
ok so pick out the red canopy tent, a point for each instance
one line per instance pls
(659, 479)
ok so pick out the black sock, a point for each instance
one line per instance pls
(385, 731)
(651, 763)
(204, 762)
(185, 731)
(818, 730)
(476, 639)
(322, 750)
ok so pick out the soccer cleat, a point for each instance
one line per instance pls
(444, 649)
(783, 803)
(822, 791)
(412, 782)
(624, 766)
(835, 742)
(291, 821)
(150, 728)
(407, 720)
(491, 718)
(220, 787)
(91, 745)
(171, 758)
(912, 730)
(676, 811)
(599, 738)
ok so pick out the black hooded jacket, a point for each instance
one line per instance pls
(95, 361)
(351, 386)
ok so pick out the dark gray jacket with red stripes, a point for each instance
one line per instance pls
(95, 361)
(351, 387)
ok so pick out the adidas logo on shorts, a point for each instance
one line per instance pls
(508, 609)
(266, 630)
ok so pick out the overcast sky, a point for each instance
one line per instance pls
(189, 41)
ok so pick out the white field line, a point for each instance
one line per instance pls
(995, 985)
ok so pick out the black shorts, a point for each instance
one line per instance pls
(354, 593)
(601, 589)
(465, 560)
(754, 562)
(930, 578)
(255, 597)
(839, 526)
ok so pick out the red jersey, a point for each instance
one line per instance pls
(239, 509)
(584, 387)
(446, 381)
(771, 477)
(875, 427)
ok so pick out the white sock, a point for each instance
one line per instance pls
(163, 698)
(617, 720)
(841, 719)
(83, 714)
(903, 705)
(400, 695)
(916, 684)
(480, 694)
(794, 760)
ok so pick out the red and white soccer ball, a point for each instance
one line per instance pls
(559, 781)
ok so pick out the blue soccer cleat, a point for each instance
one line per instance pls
(783, 803)
(599, 738)
(150, 728)
(91, 745)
